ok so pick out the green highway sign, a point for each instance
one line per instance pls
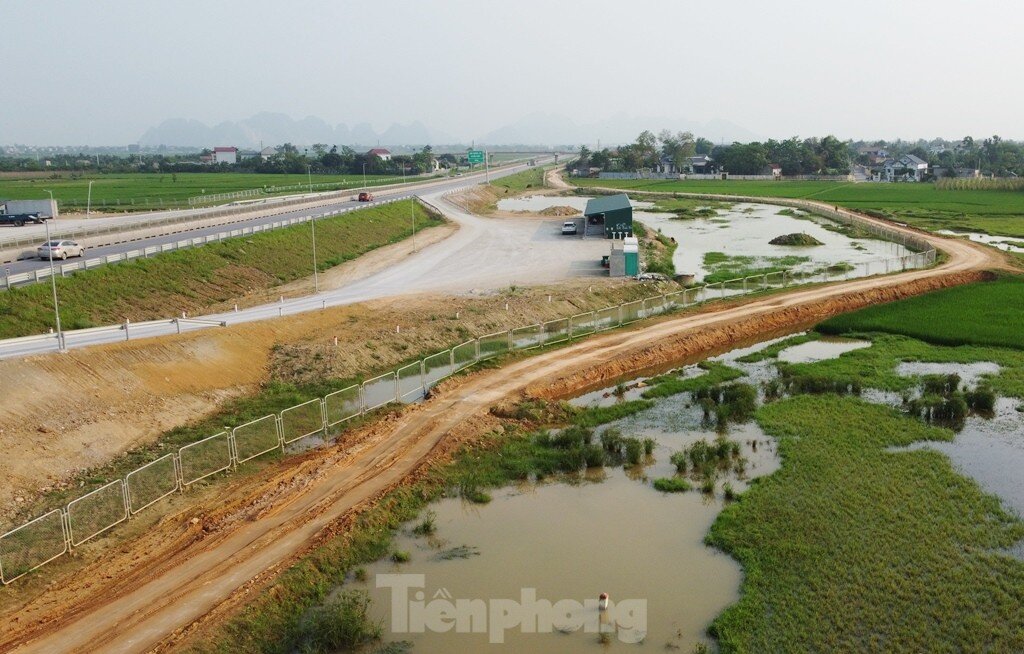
(475, 156)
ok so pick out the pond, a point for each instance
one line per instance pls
(742, 232)
(540, 553)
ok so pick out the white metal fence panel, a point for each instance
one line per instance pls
(203, 458)
(32, 545)
(581, 323)
(493, 344)
(527, 337)
(606, 318)
(464, 354)
(255, 438)
(342, 405)
(95, 512)
(631, 311)
(302, 420)
(380, 391)
(152, 482)
(556, 331)
(437, 366)
(410, 382)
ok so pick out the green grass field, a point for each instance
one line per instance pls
(851, 547)
(921, 205)
(197, 279)
(532, 178)
(136, 192)
(988, 313)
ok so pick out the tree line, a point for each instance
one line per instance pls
(804, 156)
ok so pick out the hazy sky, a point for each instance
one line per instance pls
(103, 71)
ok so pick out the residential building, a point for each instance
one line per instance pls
(380, 153)
(228, 155)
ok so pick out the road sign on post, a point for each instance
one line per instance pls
(475, 156)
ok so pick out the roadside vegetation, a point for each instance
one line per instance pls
(147, 191)
(921, 205)
(657, 250)
(194, 280)
(528, 180)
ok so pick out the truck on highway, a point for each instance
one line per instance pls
(19, 212)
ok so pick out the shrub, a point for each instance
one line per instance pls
(672, 485)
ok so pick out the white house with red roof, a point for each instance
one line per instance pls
(380, 153)
(228, 155)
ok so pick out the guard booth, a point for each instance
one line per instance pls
(612, 214)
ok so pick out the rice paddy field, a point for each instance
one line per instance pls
(975, 314)
(997, 212)
(148, 191)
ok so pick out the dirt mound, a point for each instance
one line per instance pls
(795, 239)
(560, 211)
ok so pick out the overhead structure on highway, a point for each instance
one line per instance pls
(613, 212)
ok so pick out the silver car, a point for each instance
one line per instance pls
(60, 250)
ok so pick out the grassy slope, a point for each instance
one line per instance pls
(195, 279)
(532, 178)
(980, 311)
(849, 547)
(152, 189)
(995, 212)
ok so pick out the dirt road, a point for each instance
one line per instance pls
(142, 606)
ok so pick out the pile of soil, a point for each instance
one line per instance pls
(795, 239)
(559, 211)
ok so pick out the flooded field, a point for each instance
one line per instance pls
(1004, 243)
(540, 553)
(742, 232)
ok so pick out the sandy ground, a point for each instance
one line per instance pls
(177, 574)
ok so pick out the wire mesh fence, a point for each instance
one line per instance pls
(152, 482)
(32, 545)
(342, 405)
(204, 458)
(302, 420)
(95, 512)
(256, 438)
(410, 382)
(39, 541)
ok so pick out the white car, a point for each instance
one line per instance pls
(60, 250)
(569, 227)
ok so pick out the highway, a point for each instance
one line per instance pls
(498, 252)
(127, 240)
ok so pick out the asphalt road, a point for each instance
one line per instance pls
(270, 215)
(485, 253)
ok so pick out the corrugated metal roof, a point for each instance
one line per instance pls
(607, 203)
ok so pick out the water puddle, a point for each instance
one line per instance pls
(970, 373)
(571, 541)
(743, 231)
(1005, 243)
(820, 350)
(991, 452)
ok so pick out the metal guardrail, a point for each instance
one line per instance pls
(48, 537)
(65, 269)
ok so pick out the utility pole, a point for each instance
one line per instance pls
(53, 286)
(316, 280)
(88, 202)
(364, 176)
(412, 211)
(309, 173)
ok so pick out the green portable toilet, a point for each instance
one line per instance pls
(631, 248)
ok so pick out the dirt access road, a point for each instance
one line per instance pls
(149, 591)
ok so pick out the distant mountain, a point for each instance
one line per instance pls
(276, 128)
(553, 129)
(534, 129)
